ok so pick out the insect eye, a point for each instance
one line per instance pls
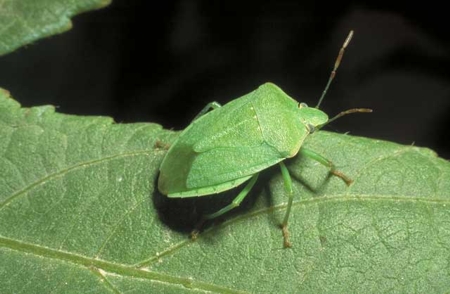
(311, 128)
(301, 105)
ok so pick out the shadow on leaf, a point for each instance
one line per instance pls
(185, 214)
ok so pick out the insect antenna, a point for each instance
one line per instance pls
(353, 110)
(336, 65)
(330, 79)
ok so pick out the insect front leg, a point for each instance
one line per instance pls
(288, 186)
(319, 158)
(211, 105)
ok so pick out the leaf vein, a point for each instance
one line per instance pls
(66, 170)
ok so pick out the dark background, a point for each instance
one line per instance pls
(147, 61)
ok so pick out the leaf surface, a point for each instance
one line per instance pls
(79, 213)
(25, 21)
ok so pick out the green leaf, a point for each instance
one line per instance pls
(25, 21)
(79, 213)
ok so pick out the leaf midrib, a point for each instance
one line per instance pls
(110, 267)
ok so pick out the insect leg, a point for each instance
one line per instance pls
(235, 203)
(211, 105)
(319, 158)
(236, 200)
(288, 186)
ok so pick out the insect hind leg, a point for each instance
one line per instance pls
(235, 203)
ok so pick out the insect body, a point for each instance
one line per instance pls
(227, 146)
(230, 145)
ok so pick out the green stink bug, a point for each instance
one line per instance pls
(231, 144)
